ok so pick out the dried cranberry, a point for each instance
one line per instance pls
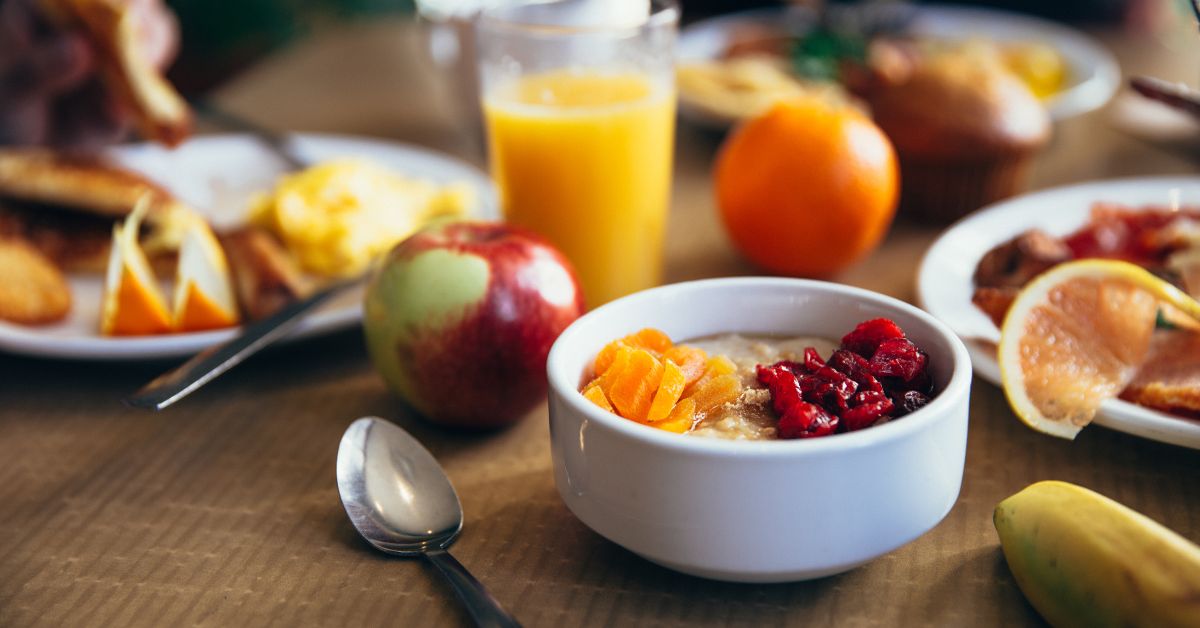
(766, 374)
(784, 387)
(898, 357)
(828, 388)
(786, 365)
(804, 420)
(856, 368)
(912, 401)
(798, 368)
(866, 415)
(812, 360)
(868, 335)
(868, 397)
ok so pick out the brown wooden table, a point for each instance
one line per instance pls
(223, 510)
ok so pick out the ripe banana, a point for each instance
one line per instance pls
(1082, 559)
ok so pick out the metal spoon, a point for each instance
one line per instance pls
(400, 501)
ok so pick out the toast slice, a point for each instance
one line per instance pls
(266, 276)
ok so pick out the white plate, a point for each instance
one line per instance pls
(217, 175)
(944, 284)
(1094, 73)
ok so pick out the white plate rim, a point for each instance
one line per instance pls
(31, 341)
(1100, 75)
(944, 279)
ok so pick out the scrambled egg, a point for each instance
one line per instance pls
(338, 217)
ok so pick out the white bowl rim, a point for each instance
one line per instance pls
(939, 408)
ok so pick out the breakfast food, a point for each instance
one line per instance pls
(1165, 242)
(754, 388)
(160, 112)
(133, 304)
(807, 188)
(339, 216)
(65, 205)
(1081, 558)
(32, 289)
(647, 378)
(1169, 379)
(265, 275)
(763, 63)
(965, 131)
(204, 296)
(78, 212)
(742, 87)
(1076, 336)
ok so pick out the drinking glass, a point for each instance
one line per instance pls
(579, 110)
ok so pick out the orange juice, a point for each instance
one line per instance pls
(584, 159)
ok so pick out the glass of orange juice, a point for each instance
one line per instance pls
(579, 106)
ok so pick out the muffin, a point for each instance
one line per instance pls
(965, 130)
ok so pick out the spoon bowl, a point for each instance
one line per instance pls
(394, 491)
(402, 503)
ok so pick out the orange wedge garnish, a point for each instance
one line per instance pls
(133, 304)
(201, 312)
(204, 297)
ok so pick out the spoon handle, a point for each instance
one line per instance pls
(484, 608)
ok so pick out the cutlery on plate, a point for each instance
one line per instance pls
(400, 500)
(279, 143)
(207, 365)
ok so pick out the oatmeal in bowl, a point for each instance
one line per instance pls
(665, 430)
(755, 387)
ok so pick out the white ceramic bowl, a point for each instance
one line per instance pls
(757, 511)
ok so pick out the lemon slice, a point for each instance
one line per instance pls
(1075, 336)
(204, 297)
(132, 303)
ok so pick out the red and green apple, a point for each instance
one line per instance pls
(459, 319)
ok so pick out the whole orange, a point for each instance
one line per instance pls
(807, 188)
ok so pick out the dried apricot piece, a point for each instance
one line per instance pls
(604, 359)
(681, 418)
(715, 392)
(632, 390)
(594, 394)
(619, 362)
(691, 360)
(720, 365)
(649, 338)
(716, 366)
(669, 391)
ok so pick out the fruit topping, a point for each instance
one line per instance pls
(869, 408)
(911, 401)
(876, 375)
(856, 368)
(691, 361)
(632, 389)
(647, 378)
(868, 335)
(783, 385)
(812, 360)
(669, 391)
(899, 358)
(805, 420)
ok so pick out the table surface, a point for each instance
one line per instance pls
(223, 510)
